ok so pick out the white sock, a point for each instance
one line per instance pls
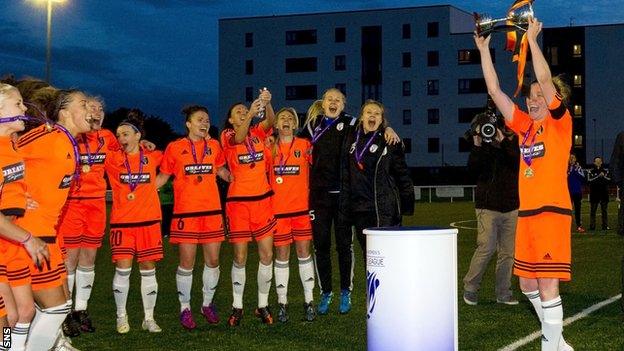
(42, 332)
(281, 281)
(265, 276)
(238, 285)
(149, 292)
(85, 276)
(121, 285)
(534, 298)
(306, 272)
(19, 333)
(210, 278)
(552, 326)
(71, 278)
(184, 282)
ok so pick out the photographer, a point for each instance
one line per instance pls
(494, 159)
(599, 179)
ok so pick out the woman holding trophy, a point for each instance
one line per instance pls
(543, 249)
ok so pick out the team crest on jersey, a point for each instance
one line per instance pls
(208, 151)
(13, 172)
(340, 126)
(95, 159)
(66, 181)
(141, 178)
(255, 140)
(145, 160)
(287, 170)
(373, 148)
(297, 153)
(194, 169)
(247, 158)
(540, 130)
(538, 150)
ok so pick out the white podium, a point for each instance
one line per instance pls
(411, 275)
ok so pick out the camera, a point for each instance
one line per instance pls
(484, 125)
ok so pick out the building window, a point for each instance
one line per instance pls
(248, 40)
(342, 87)
(433, 145)
(433, 116)
(471, 86)
(407, 117)
(554, 56)
(301, 37)
(249, 94)
(433, 87)
(340, 63)
(433, 58)
(249, 67)
(578, 141)
(407, 31)
(407, 59)
(433, 29)
(301, 92)
(466, 114)
(301, 64)
(464, 145)
(407, 88)
(407, 142)
(340, 35)
(577, 50)
(578, 111)
(472, 56)
(578, 80)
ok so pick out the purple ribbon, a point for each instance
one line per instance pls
(528, 158)
(360, 155)
(251, 149)
(100, 144)
(134, 184)
(318, 132)
(282, 162)
(195, 154)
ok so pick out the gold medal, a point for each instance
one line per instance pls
(199, 179)
(49, 127)
(131, 196)
(86, 168)
(279, 180)
(529, 172)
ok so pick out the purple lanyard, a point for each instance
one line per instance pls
(528, 159)
(250, 148)
(134, 184)
(318, 132)
(195, 154)
(74, 143)
(86, 142)
(360, 155)
(282, 162)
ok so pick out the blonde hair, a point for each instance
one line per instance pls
(384, 123)
(562, 88)
(4, 91)
(317, 106)
(292, 111)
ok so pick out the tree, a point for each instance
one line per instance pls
(157, 130)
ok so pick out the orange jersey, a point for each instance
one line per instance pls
(291, 163)
(195, 180)
(93, 146)
(13, 185)
(50, 160)
(249, 174)
(146, 205)
(544, 187)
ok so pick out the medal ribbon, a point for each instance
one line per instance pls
(74, 143)
(528, 159)
(134, 184)
(318, 132)
(282, 162)
(90, 161)
(201, 161)
(250, 149)
(360, 155)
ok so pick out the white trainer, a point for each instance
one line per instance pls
(151, 326)
(122, 324)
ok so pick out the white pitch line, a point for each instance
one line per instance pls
(584, 313)
(455, 225)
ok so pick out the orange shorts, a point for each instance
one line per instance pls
(53, 272)
(143, 241)
(292, 227)
(17, 262)
(197, 228)
(249, 219)
(2, 310)
(83, 223)
(543, 246)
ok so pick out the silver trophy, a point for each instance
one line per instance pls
(262, 110)
(517, 18)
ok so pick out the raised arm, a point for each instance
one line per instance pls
(240, 132)
(540, 66)
(502, 101)
(269, 113)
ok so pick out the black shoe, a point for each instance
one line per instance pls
(235, 317)
(282, 314)
(82, 317)
(70, 326)
(309, 311)
(264, 314)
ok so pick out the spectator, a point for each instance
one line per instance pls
(599, 179)
(576, 176)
